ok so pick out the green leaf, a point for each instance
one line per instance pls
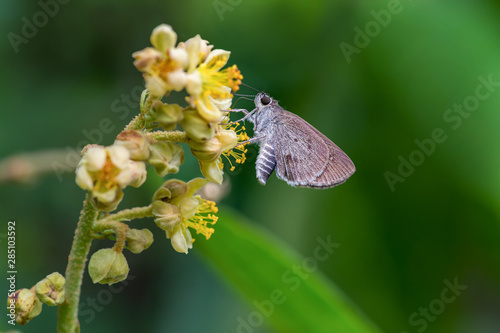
(263, 270)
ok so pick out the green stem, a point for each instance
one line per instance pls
(170, 136)
(139, 122)
(120, 230)
(68, 311)
(130, 214)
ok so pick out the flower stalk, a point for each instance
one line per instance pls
(68, 311)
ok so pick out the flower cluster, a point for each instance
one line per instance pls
(194, 67)
(197, 68)
(191, 65)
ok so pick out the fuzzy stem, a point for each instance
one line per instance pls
(130, 214)
(120, 230)
(139, 122)
(170, 136)
(68, 311)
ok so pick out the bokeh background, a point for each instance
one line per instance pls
(397, 246)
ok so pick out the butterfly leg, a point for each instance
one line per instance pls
(252, 140)
(247, 114)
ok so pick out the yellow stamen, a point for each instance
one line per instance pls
(162, 67)
(105, 177)
(238, 152)
(203, 217)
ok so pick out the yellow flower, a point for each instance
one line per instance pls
(176, 209)
(203, 218)
(210, 87)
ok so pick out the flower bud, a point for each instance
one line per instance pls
(212, 171)
(163, 37)
(166, 215)
(168, 115)
(197, 128)
(207, 151)
(107, 266)
(139, 240)
(171, 190)
(27, 306)
(146, 58)
(51, 289)
(166, 157)
(136, 144)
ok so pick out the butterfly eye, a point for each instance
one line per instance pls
(265, 100)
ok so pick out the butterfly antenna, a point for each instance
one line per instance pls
(246, 85)
(241, 97)
(244, 95)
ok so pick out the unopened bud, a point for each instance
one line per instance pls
(51, 289)
(166, 215)
(135, 142)
(27, 306)
(168, 115)
(166, 157)
(107, 266)
(197, 128)
(139, 240)
(173, 190)
(207, 151)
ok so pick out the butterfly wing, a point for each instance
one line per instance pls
(307, 158)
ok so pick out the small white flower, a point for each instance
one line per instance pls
(104, 172)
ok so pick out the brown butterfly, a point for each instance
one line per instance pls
(301, 155)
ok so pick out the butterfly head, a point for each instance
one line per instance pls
(262, 100)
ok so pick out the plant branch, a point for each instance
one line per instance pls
(68, 311)
(130, 214)
(120, 229)
(139, 122)
(170, 136)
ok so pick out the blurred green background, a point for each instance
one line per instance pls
(397, 247)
